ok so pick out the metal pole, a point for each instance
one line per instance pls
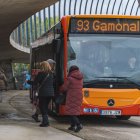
(108, 7)
(132, 7)
(113, 6)
(97, 7)
(49, 18)
(64, 7)
(126, 7)
(31, 30)
(59, 15)
(54, 17)
(40, 27)
(27, 33)
(91, 6)
(35, 26)
(19, 35)
(120, 6)
(44, 17)
(75, 7)
(70, 8)
(22, 33)
(102, 7)
(85, 6)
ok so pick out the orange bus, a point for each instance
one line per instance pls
(106, 48)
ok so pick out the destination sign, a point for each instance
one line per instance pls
(104, 25)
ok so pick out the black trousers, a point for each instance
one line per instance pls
(75, 120)
(43, 105)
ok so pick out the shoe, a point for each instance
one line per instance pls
(35, 117)
(78, 128)
(72, 128)
(43, 125)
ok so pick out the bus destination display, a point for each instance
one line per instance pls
(104, 25)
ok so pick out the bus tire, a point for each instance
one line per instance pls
(123, 117)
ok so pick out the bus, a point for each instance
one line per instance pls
(106, 48)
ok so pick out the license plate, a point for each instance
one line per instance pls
(110, 112)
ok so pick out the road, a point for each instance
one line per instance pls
(104, 128)
(17, 125)
(95, 128)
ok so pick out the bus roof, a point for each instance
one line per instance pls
(103, 16)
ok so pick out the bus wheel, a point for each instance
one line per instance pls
(123, 117)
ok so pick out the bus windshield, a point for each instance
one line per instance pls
(105, 55)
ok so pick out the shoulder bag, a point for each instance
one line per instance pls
(60, 98)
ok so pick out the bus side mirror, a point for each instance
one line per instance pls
(57, 45)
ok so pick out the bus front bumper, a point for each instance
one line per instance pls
(132, 110)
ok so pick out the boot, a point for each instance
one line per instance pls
(45, 122)
(44, 125)
(35, 117)
(78, 128)
(72, 128)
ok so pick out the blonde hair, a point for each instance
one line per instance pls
(45, 66)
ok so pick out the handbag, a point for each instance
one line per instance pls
(60, 99)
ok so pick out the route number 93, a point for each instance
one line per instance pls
(83, 25)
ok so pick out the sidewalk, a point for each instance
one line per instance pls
(16, 124)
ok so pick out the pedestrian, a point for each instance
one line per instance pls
(3, 81)
(27, 77)
(52, 64)
(35, 101)
(44, 80)
(132, 64)
(73, 89)
(35, 116)
(3, 84)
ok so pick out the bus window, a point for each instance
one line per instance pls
(99, 56)
(71, 53)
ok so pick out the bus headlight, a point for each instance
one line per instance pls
(86, 93)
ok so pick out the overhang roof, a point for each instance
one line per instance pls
(12, 13)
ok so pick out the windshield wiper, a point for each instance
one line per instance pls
(128, 79)
(101, 79)
(92, 81)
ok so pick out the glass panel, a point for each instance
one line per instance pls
(105, 55)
